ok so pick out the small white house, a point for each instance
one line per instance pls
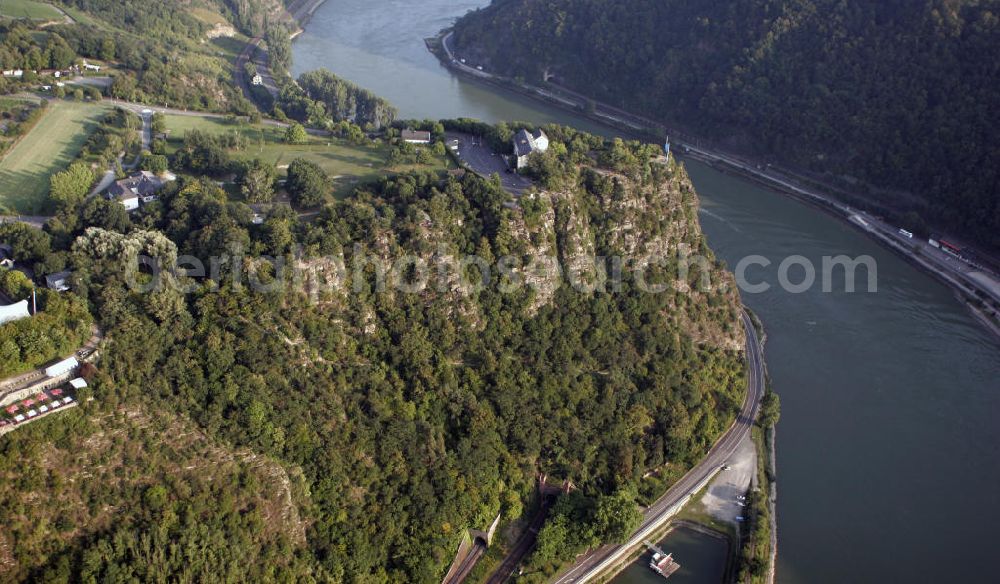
(141, 186)
(416, 137)
(257, 80)
(78, 383)
(89, 67)
(526, 143)
(58, 281)
(6, 256)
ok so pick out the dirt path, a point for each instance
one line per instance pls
(67, 19)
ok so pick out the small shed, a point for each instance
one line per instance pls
(58, 281)
(78, 383)
(416, 137)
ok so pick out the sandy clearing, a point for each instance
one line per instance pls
(720, 499)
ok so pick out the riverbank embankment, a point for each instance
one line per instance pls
(302, 12)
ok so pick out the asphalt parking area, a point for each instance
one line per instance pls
(485, 162)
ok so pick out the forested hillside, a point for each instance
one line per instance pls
(899, 94)
(333, 429)
(253, 16)
(152, 52)
(320, 97)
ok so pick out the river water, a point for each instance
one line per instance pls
(889, 441)
(704, 560)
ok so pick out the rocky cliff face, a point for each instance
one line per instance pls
(599, 230)
(652, 220)
(647, 221)
(252, 15)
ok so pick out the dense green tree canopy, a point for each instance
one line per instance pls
(409, 413)
(70, 186)
(320, 94)
(307, 183)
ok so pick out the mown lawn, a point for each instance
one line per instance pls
(29, 9)
(348, 164)
(209, 16)
(49, 148)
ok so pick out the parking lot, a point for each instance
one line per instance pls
(722, 498)
(484, 162)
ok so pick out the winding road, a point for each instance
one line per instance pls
(595, 562)
(250, 51)
(299, 12)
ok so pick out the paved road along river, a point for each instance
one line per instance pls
(890, 431)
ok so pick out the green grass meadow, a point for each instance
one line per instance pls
(348, 164)
(49, 148)
(28, 9)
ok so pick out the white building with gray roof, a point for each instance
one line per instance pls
(526, 143)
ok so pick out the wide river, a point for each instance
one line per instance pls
(889, 441)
